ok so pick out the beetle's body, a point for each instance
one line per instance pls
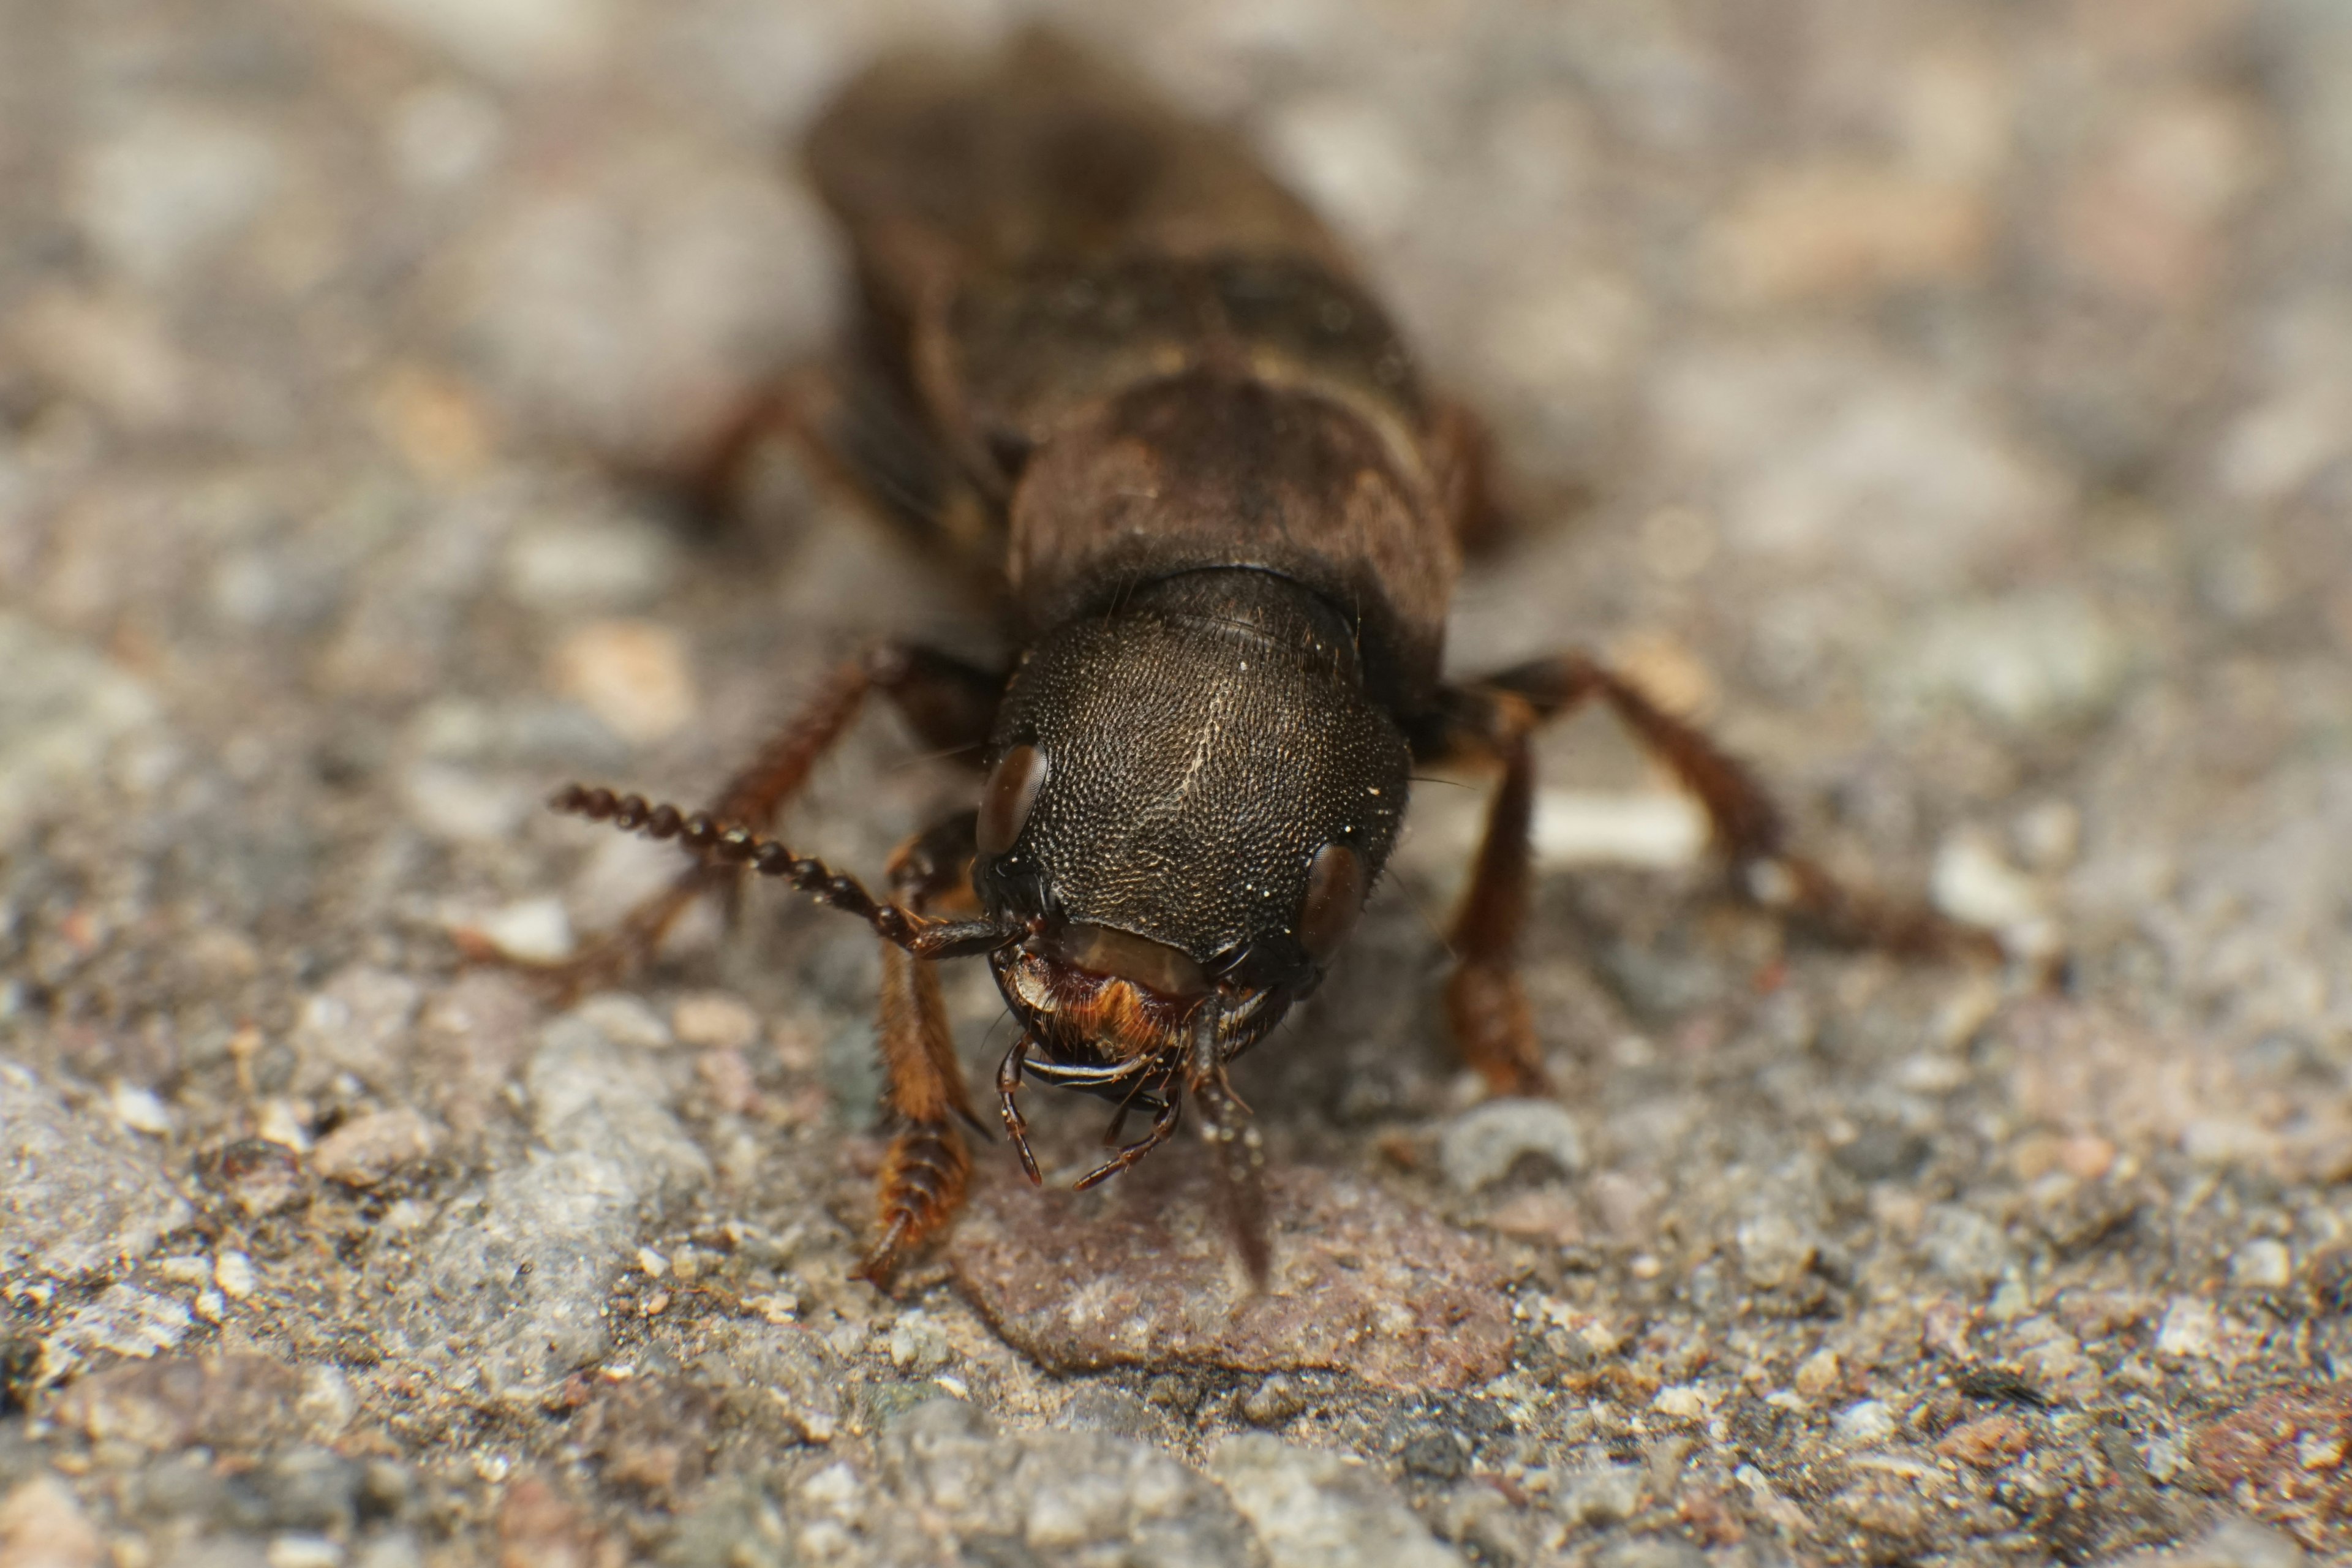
(1117, 368)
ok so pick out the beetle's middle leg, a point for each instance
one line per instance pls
(1496, 719)
(948, 703)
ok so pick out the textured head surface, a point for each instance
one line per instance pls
(1202, 745)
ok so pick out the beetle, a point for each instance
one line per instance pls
(1107, 361)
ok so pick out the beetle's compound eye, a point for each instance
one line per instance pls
(1011, 790)
(1335, 898)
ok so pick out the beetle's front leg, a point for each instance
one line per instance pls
(925, 1172)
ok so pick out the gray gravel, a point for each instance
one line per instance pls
(1947, 401)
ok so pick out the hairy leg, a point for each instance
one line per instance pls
(947, 704)
(1495, 720)
(925, 1172)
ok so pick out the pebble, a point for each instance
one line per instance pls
(1818, 1374)
(1680, 1401)
(1965, 1247)
(1972, 882)
(515, 1279)
(2232, 1544)
(535, 931)
(917, 1343)
(714, 1021)
(1273, 1403)
(365, 1150)
(609, 564)
(1987, 1443)
(170, 187)
(42, 1526)
(64, 712)
(1435, 1455)
(231, 1401)
(509, 40)
(1656, 829)
(1864, 1422)
(1600, 1495)
(303, 1551)
(82, 1195)
(1775, 1251)
(1147, 1274)
(233, 1272)
(2262, 1264)
(1478, 1516)
(1479, 1147)
(310, 1488)
(1315, 1508)
(2191, 1328)
(261, 1176)
(634, 675)
(140, 1110)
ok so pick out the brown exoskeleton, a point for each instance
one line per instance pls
(1104, 354)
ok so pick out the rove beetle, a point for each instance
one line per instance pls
(1108, 360)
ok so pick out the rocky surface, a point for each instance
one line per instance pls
(1947, 401)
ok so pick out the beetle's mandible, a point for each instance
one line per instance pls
(1118, 371)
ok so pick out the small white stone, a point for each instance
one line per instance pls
(1654, 829)
(2191, 1328)
(1818, 1374)
(2319, 1450)
(140, 1110)
(1972, 882)
(614, 563)
(1682, 1401)
(211, 1305)
(2262, 1264)
(536, 931)
(281, 1121)
(834, 1489)
(303, 1551)
(917, 1343)
(1862, 1422)
(233, 1272)
(654, 1264)
(511, 40)
(2165, 1459)
(715, 1020)
(327, 1401)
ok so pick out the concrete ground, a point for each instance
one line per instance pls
(1951, 401)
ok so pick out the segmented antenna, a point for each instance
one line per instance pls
(732, 844)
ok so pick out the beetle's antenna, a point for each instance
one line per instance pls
(730, 844)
